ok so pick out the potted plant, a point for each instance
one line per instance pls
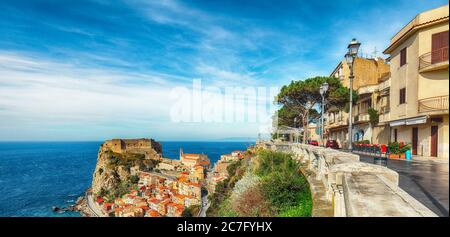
(398, 150)
(394, 150)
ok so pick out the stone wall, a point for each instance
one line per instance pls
(132, 145)
(351, 187)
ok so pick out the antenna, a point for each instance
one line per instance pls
(374, 53)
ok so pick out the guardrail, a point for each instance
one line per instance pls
(354, 188)
(433, 104)
(433, 57)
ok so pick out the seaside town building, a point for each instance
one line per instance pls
(191, 160)
(420, 84)
(409, 90)
(368, 74)
(312, 132)
(220, 172)
(159, 194)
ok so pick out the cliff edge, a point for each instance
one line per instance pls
(118, 163)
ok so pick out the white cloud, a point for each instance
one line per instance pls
(35, 92)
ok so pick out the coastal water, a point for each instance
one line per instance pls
(34, 176)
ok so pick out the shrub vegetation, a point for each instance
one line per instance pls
(269, 184)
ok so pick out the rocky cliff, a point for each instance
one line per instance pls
(115, 168)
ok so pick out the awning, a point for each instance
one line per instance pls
(409, 121)
(397, 123)
(418, 120)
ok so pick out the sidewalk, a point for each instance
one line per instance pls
(424, 178)
(428, 159)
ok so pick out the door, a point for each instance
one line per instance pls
(434, 141)
(415, 138)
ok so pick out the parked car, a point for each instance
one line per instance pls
(314, 143)
(332, 144)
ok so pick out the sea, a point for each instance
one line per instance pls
(35, 176)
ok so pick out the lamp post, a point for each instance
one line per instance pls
(323, 90)
(350, 56)
(296, 135)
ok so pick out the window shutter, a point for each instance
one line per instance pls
(403, 57)
(439, 47)
(402, 98)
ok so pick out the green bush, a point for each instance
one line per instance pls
(191, 211)
(303, 208)
(374, 116)
(284, 190)
(134, 179)
(283, 184)
(225, 209)
(270, 162)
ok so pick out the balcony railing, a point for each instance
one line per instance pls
(433, 57)
(433, 104)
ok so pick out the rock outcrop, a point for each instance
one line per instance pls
(119, 159)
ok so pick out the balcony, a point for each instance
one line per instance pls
(435, 60)
(438, 103)
(361, 117)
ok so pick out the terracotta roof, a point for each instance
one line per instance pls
(154, 213)
(181, 196)
(195, 184)
(99, 200)
(171, 204)
(154, 200)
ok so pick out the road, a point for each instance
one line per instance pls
(204, 208)
(94, 208)
(427, 181)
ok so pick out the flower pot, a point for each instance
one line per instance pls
(402, 156)
(394, 156)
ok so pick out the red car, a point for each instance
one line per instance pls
(332, 144)
(314, 143)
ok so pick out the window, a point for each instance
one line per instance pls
(403, 57)
(402, 96)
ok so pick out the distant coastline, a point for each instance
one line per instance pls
(43, 162)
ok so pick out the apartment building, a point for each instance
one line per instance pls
(368, 74)
(419, 83)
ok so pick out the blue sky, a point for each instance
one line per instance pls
(93, 70)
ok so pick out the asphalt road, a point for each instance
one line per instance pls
(204, 208)
(427, 181)
(94, 208)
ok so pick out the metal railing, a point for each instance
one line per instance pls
(433, 104)
(433, 57)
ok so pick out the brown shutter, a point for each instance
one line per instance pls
(402, 98)
(403, 57)
(445, 45)
(439, 47)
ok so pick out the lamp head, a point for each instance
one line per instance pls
(349, 59)
(353, 47)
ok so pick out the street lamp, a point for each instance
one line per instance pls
(296, 136)
(350, 56)
(323, 90)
